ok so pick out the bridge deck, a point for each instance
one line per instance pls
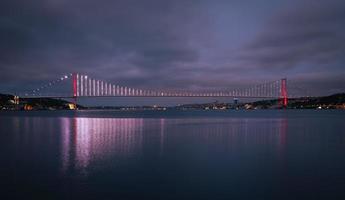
(148, 96)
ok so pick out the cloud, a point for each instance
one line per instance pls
(103, 38)
(169, 44)
(311, 33)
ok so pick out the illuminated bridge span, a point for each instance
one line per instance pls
(85, 86)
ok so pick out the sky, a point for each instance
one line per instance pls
(174, 44)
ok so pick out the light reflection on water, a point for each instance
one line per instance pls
(87, 140)
(244, 155)
(91, 139)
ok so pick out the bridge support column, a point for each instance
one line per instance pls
(283, 93)
(75, 89)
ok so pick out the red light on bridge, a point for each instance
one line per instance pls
(284, 93)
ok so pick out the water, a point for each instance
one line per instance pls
(266, 154)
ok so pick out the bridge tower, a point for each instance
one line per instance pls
(75, 89)
(283, 93)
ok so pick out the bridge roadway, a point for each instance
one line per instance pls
(148, 96)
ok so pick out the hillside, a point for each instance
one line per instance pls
(7, 103)
(332, 101)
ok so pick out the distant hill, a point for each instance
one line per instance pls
(329, 102)
(336, 101)
(6, 101)
(332, 101)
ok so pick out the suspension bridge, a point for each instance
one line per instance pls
(83, 86)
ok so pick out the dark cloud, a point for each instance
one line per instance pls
(172, 43)
(312, 33)
(47, 37)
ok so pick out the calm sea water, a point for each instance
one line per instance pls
(266, 154)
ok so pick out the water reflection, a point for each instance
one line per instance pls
(231, 132)
(227, 155)
(88, 140)
(162, 135)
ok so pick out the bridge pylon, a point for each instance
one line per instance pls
(75, 89)
(283, 93)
